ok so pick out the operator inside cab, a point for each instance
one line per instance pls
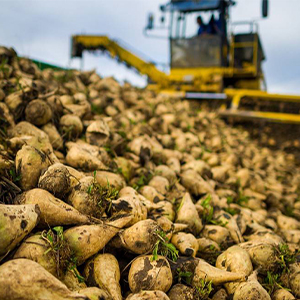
(211, 28)
(202, 27)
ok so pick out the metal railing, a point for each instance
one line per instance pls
(248, 44)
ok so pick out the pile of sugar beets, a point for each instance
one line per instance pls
(113, 192)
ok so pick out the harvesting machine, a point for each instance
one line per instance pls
(225, 66)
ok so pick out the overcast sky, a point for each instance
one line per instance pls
(42, 29)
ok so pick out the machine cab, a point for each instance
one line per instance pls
(189, 50)
(219, 54)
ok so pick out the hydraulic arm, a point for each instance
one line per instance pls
(104, 43)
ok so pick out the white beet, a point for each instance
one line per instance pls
(23, 279)
(148, 274)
